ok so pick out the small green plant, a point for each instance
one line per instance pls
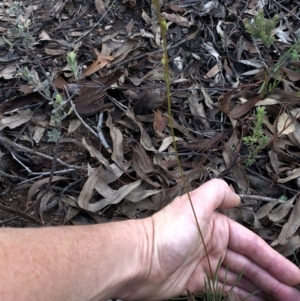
(72, 62)
(275, 77)
(19, 28)
(261, 28)
(283, 198)
(258, 140)
(55, 99)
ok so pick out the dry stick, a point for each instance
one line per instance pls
(96, 24)
(100, 133)
(284, 8)
(294, 191)
(82, 121)
(4, 174)
(4, 140)
(20, 214)
(259, 198)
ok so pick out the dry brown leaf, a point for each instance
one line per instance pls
(213, 71)
(167, 142)
(123, 51)
(292, 75)
(71, 212)
(294, 175)
(117, 138)
(99, 63)
(281, 211)
(74, 124)
(16, 120)
(8, 72)
(289, 248)
(296, 133)
(145, 140)
(111, 196)
(176, 8)
(290, 227)
(240, 110)
(88, 189)
(95, 153)
(285, 125)
(197, 107)
(36, 186)
(160, 123)
(181, 21)
(265, 209)
(56, 51)
(224, 102)
(45, 199)
(143, 165)
(101, 9)
(140, 193)
(236, 170)
(274, 160)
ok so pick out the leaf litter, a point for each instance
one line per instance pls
(219, 76)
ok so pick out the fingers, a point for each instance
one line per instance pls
(230, 279)
(247, 243)
(244, 295)
(261, 278)
(212, 195)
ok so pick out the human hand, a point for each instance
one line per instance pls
(177, 259)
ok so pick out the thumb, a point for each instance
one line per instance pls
(212, 195)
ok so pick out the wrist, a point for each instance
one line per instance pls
(138, 286)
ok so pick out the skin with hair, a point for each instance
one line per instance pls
(151, 259)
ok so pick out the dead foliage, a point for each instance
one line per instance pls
(115, 159)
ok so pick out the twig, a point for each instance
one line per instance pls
(4, 140)
(294, 191)
(100, 133)
(4, 174)
(20, 214)
(118, 104)
(284, 8)
(259, 198)
(82, 121)
(96, 24)
(47, 173)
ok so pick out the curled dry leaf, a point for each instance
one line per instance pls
(145, 140)
(15, 120)
(111, 196)
(285, 124)
(294, 175)
(117, 139)
(290, 227)
(99, 63)
(36, 186)
(95, 153)
(8, 72)
(266, 209)
(101, 9)
(167, 142)
(281, 211)
(289, 248)
(197, 107)
(181, 21)
(240, 110)
(160, 122)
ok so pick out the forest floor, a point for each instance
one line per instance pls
(91, 143)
